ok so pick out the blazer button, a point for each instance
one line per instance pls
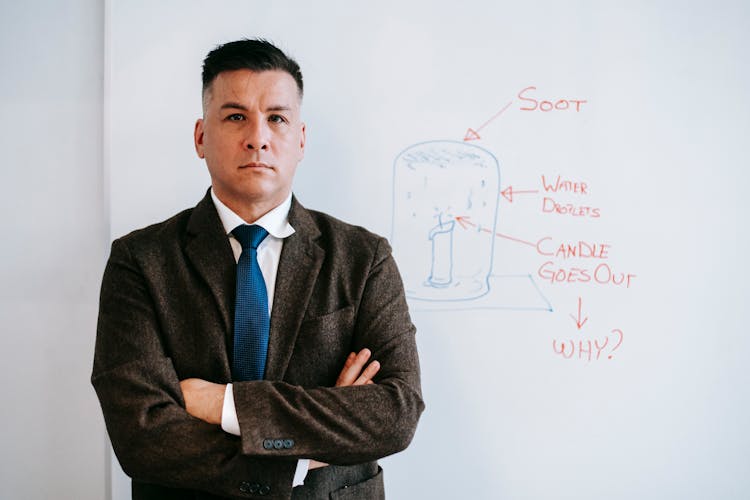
(264, 490)
(268, 444)
(245, 487)
(288, 443)
(254, 488)
(278, 444)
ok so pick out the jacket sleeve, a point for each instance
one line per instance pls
(345, 425)
(154, 438)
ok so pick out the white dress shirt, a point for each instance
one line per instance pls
(276, 222)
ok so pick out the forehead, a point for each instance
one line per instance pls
(245, 85)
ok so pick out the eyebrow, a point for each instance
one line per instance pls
(233, 105)
(236, 105)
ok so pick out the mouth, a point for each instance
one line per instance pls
(256, 165)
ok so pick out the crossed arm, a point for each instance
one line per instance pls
(205, 400)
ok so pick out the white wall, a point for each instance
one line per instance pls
(54, 242)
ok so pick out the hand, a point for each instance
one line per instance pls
(203, 399)
(354, 373)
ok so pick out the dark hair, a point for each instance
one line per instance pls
(253, 54)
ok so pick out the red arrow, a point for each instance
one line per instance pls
(465, 223)
(473, 134)
(578, 321)
(508, 193)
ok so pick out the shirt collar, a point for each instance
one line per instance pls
(276, 222)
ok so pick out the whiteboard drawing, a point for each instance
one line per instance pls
(441, 273)
(445, 213)
(434, 184)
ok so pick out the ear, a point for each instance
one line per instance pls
(302, 143)
(198, 138)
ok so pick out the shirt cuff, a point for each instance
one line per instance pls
(229, 421)
(303, 464)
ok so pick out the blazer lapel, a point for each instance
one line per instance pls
(299, 265)
(208, 249)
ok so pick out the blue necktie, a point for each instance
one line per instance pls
(251, 321)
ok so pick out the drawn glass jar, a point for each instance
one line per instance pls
(445, 204)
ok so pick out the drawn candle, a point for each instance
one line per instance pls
(445, 201)
(441, 273)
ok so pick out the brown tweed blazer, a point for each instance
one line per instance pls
(166, 314)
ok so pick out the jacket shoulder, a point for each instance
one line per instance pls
(354, 238)
(157, 235)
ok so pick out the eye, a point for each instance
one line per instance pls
(235, 117)
(277, 119)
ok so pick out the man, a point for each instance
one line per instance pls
(204, 393)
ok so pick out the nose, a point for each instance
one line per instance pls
(257, 135)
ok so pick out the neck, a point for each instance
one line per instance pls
(250, 210)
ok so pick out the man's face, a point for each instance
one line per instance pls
(252, 138)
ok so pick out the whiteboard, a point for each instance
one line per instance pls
(563, 186)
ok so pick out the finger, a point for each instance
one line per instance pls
(349, 360)
(368, 373)
(345, 370)
(351, 371)
(350, 374)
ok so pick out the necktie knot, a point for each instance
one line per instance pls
(249, 236)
